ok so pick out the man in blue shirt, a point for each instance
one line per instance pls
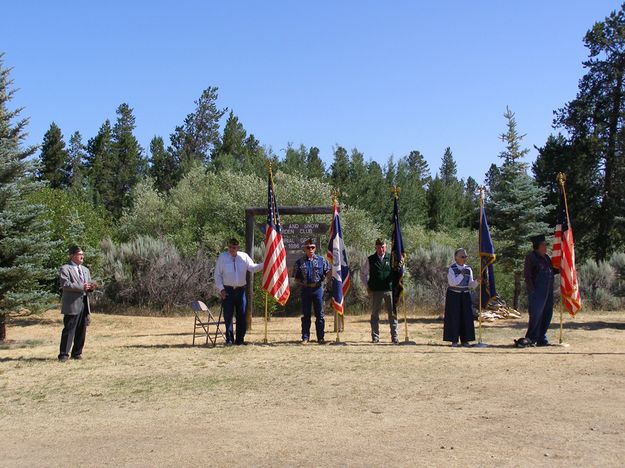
(310, 271)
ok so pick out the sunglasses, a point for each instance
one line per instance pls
(463, 256)
(310, 247)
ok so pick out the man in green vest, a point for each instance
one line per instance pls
(377, 274)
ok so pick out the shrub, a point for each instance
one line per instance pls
(428, 268)
(596, 281)
(152, 273)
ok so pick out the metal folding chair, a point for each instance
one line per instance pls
(201, 325)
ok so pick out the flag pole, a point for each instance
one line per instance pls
(335, 194)
(395, 191)
(266, 315)
(479, 249)
(561, 178)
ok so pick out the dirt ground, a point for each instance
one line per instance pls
(143, 396)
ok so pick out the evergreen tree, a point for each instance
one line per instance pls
(413, 177)
(198, 136)
(517, 205)
(54, 158)
(358, 183)
(597, 114)
(294, 160)
(76, 165)
(130, 164)
(578, 160)
(448, 171)
(436, 204)
(24, 238)
(377, 198)
(470, 204)
(101, 167)
(339, 170)
(315, 168)
(390, 172)
(163, 168)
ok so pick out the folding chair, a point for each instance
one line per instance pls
(199, 308)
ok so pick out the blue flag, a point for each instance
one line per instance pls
(487, 258)
(397, 257)
(337, 256)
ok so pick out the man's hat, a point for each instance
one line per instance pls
(537, 240)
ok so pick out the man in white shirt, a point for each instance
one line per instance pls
(230, 280)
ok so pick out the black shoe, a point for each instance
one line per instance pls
(63, 358)
(77, 357)
(395, 340)
(229, 343)
(321, 341)
(240, 343)
(375, 339)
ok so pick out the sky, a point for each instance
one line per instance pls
(384, 77)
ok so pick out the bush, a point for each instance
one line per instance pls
(150, 272)
(596, 281)
(428, 268)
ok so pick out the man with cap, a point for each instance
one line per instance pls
(230, 280)
(538, 273)
(75, 283)
(376, 272)
(310, 271)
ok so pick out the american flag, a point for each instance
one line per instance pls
(275, 273)
(563, 257)
(337, 255)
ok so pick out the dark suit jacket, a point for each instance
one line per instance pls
(73, 293)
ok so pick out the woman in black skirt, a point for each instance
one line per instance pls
(458, 307)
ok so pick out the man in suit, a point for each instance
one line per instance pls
(376, 273)
(75, 283)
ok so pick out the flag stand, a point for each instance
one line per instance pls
(479, 343)
(337, 326)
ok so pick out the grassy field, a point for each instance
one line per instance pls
(143, 396)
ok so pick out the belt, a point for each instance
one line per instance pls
(234, 288)
(311, 285)
(458, 289)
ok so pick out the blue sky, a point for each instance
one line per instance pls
(385, 77)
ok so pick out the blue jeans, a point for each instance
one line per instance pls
(235, 302)
(312, 298)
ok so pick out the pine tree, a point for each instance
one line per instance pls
(163, 168)
(54, 158)
(130, 164)
(517, 205)
(198, 136)
(339, 170)
(76, 163)
(294, 160)
(597, 114)
(413, 177)
(101, 167)
(449, 170)
(579, 161)
(24, 238)
(315, 168)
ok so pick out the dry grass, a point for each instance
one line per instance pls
(142, 396)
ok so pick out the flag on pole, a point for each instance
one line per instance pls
(563, 256)
(487, 258)
(397, 256)
(337, 256)
(275, 272)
